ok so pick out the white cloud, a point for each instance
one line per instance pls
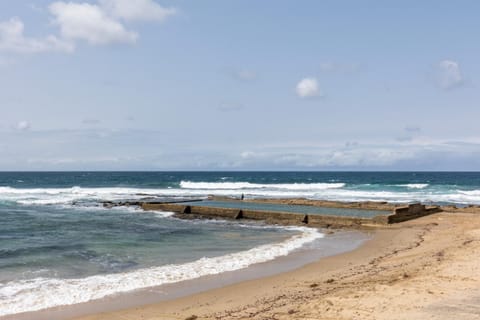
(155, 150)
(449, 74)
(137, 10)
(332, 157)
(23, 125)
(13, 40)
(83, 21)
(307, 88)
(99, 23)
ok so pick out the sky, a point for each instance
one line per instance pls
(239, 85)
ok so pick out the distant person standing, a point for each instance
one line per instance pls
(242, 197)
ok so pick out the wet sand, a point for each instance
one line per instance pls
(426, 268)
(332, 243)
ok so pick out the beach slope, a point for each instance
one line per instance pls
(421, 269)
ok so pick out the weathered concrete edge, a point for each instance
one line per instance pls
(359, 205)
(273, 217)
(412, 211)
(287, 218)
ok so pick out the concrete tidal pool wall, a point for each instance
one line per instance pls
(412, 211)
(399, 214)
(274, 217)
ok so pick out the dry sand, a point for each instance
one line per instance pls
(427, 268)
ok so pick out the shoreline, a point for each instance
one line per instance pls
(333, 243)
(417, 269)
(254, 291)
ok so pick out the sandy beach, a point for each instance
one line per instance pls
(422, 269)
(265, 160)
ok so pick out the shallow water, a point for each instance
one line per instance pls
(302, 209)
(76, 254)
(57, 241)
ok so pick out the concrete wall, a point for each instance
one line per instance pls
(284, 218)
(399, 214)
(410, 212)
(366, 205)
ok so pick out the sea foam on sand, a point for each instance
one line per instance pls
(41, 293)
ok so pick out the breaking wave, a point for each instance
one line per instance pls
(188, 190)
(29, 295)
(248, 185)
(414, 185)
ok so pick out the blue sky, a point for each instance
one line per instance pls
(239, 85)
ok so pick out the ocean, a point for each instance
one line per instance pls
(58, 241)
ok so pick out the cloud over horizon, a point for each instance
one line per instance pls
(67, 150)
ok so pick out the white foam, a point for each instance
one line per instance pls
(451, 196)
(414, 185)
(471, 193)
(163, 214)
(328, 191)
(58, 196)
(42, 293)
(49, 196)
(248, 185)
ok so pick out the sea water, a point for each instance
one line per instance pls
(60, 246)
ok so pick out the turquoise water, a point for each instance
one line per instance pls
(427, 187)
(77, 253)
(57, 240)
(289, 208)
(68, 242)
